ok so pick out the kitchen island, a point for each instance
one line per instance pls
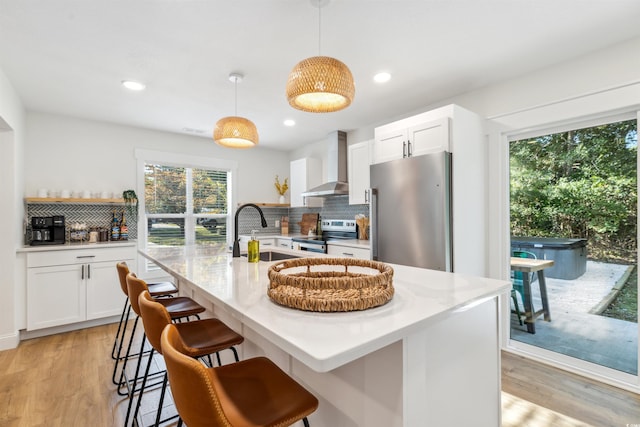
(429, 357)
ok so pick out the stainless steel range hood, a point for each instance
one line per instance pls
(337, 184)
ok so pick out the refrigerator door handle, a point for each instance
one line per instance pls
(373, 222)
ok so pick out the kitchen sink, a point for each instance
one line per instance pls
(274, 256)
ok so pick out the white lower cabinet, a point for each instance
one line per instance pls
(70, 286)
(348, 252)
(266, 243)
(283, 243)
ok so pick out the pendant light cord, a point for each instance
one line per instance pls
(319, 28)
(236, 90)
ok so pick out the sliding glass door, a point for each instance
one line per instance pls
(574, 243)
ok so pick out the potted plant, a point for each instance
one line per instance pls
(282, 188)
(131, 203)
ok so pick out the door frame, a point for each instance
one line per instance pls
(620, 101)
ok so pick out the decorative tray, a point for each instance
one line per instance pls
(327, 285)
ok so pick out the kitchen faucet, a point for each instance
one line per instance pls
(236, 240)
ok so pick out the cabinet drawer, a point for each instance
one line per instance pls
(284, 243)
(78, 256)
(348, 252)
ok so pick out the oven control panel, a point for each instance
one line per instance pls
(339, 225)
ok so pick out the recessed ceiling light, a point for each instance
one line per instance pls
(289, 122)
(131, 85)
(382, 77)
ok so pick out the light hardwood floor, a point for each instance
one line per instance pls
(65, 380)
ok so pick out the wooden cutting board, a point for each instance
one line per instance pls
(309, 221)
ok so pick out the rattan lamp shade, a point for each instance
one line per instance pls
(235, 132)
(320, 84)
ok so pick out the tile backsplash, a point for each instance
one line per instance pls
(336, 207)
(99, 215)
(93, 215)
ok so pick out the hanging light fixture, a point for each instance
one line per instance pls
(320, 84)
(234, 131)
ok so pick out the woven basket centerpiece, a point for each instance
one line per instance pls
(326, 284)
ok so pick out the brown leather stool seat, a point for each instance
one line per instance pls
(178, 307)
(155, 289)
(160, 289)
(201, 338)
(253, 392)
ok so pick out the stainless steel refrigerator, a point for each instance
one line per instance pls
(410, 211)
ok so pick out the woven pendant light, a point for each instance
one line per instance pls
(234, 131)
(320, 84)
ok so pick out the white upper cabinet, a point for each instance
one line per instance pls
(305, 174)
(359, 161)
(414, 136)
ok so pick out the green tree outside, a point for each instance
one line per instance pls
(579, 184)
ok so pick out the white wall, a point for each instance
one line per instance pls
(11, 143)
(607, 68)
(76, 154)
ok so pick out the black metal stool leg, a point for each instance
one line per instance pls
(142, 386)
(119, 356)
(135, 382)
(126, 358)
(115, 340)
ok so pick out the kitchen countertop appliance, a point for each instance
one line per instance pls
(410, 211)
(47, 230)
(332, 229)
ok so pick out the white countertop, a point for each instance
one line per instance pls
(323, 341)
(75, 246)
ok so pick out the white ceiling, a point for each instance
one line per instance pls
(69, 56)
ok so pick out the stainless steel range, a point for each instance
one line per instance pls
(332, 229)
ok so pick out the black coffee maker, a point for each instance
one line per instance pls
(47, 230)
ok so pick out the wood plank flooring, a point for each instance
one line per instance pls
(65, 380)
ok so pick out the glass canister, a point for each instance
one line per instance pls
(253, 248)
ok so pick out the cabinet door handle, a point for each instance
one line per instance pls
(409, 153)
(404, 149)
(347, 253)
(86, 256)
(366, 196)
(82, 274)
(88, 271)
(267, 244)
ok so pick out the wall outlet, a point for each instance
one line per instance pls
(277, 223)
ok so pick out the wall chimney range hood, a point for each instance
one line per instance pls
(337, 184)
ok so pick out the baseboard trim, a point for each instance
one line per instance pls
(26, 335)
(9, 341)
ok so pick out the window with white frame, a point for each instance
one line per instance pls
(186, 201)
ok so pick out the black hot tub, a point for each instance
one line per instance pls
(569, 255)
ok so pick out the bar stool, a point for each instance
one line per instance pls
(201, 338)
(161, 289)
(178, 308)
(253, 392)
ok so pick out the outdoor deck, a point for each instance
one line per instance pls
(575, 332)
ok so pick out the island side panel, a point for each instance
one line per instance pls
(365, 392)
(452, 370)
